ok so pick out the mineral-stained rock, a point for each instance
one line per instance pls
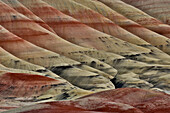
(11, 61)
(86, 37)
(69, 91)
(99, 22)
(122, 65)
(85, 14)
(129, 25)
(93, 54)
(37, 36)
(155, 8)
(18, 89)
(71, 77)
(18, 6)
(83, 105)
(102, 38)
(52, 42)
(56, 63)
(145, 100)
(77, 107)
(124, 100)
(101, 43)
(144, 20)
(49, 40)
(94, 20)
(30, 52)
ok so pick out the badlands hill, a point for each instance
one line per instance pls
(89, 56)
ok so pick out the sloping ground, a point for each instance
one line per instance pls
(127, 24)
(18, 89)
(143, 19)
(79, 51)
(155, 8)
(59, 64)
(112, 101)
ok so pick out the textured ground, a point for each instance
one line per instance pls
(89, 56)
